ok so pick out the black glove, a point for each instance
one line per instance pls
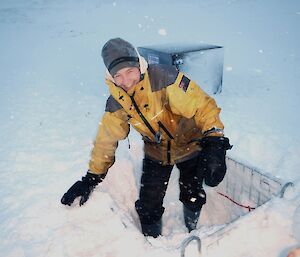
(82, 188)
(212, 165)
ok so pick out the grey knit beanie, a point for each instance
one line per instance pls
(117, 54)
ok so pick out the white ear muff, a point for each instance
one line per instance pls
(108, 76)
(143, 63)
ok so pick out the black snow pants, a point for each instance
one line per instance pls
(154, 183)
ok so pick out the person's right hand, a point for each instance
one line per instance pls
(82, 188)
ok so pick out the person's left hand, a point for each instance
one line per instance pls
(212, 164)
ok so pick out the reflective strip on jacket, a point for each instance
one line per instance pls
(168, 109)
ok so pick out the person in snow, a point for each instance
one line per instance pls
(179, 124)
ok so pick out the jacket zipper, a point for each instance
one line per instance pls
(169, 152)
(169, 141)
(165, 129)
(157, 135)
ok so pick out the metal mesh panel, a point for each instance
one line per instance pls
(242, 190)
(246, 185)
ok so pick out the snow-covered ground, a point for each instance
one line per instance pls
(52, 97)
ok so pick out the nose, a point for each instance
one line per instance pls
(124, 80)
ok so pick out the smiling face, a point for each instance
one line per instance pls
(127, 77)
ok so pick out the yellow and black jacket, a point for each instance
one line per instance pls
(168, 109)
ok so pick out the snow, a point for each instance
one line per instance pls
(53, 95)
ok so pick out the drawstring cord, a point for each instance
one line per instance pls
(128, 142)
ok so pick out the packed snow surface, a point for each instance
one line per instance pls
(53, 95)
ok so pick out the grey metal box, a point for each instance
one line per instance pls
(201, 62)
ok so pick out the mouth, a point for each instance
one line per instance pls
(130, 85)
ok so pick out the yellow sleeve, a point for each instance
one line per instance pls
(112, 128)
(187, 99)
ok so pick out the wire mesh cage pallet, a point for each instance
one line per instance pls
(242, 191)
(247, 188)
